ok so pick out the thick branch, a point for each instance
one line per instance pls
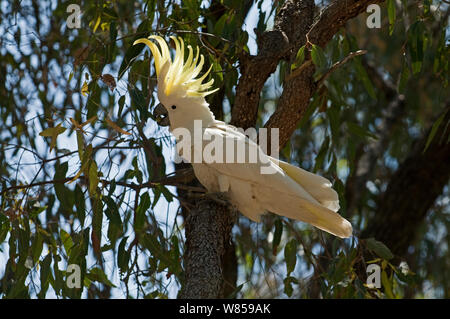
(291, 24)
(220, 277)
(334, 17)
(298, 90)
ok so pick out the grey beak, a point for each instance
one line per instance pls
(161, 115)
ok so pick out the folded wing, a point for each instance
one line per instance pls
(290, 191)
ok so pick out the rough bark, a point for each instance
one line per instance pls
(298, 90)
(208, 225)
(208, 232)
(210, 257)
(291, 25)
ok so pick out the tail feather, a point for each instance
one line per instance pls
(330, 221)
(318, 186)
(298, 208)
(319, 211)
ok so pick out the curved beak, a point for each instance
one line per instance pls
(161, 115)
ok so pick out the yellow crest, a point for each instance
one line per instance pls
(178, 74)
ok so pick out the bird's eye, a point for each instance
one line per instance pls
(173, 107)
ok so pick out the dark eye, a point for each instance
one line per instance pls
(173, 107)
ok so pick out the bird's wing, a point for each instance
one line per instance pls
(251, 171)
(318, 186)
(289, 191)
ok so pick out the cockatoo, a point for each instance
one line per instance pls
(288, 191)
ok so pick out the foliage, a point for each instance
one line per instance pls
(83, 165)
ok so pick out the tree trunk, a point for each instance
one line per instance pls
(208, 233)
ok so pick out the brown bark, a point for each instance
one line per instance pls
(298, 90)
(210, 257)
(208, 232)
(291, 25)
(208, 226)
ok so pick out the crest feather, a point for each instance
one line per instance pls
(180, 75)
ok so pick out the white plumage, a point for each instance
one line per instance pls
(290, 191)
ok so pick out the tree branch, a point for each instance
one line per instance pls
(179, 180)
(298, 90)
(291, 24)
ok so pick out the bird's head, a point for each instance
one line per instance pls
(181, 94)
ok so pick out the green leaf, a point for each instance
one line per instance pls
(24, 240)
(80, 144)
(144, 205)
(157, 194)
(53, 132)
(158, 250)
(112, 211)
(290, 255)
(391, 15)
(299, 58)
(142, 31)
(121, 104)
(66, 240)
(36, 247)
(58, 283)
(320, 158)
(97, 274)
(93, 178)
(363, 77)
(123, 256)
(80, 204)
(360, 131)
(220, 24)
(93, 102)
(138, 103)
(387, 285)
(45, 270)
(416, 34)
(217, 71)
(288, 281)
(166, 193)
(434, 130)
(404, 76)
(277, 235)
(335, 122)
(80, 247)
(37, 210)
(379, 248)
(62, 192)
(97, 218)
(318, 57)
(137, 172)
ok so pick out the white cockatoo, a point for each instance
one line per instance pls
(287, 190)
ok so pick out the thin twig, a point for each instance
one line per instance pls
(338, 64)
(169, 180)
(298, 70)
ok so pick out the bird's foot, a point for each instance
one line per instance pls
(221, 198)
(218, 197)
